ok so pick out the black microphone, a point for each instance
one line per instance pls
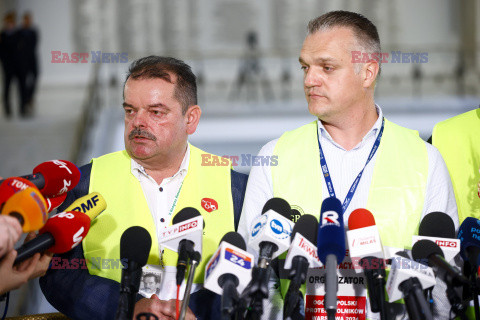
(438, 225)
(186, 247)
(426, 249)
(135, 245)
(307, 227)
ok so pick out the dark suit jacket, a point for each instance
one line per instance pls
(79, 295)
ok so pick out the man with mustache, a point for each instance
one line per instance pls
(157, 175)
(352, 153)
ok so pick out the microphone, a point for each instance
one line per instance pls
(270, 237)
(10, 186)
(300, 256)
(135, 245)
(229, 271)
(469, 236)
(331, 249)
(271, 231)
(55, 202)
(186, 246)
(62, 232)
(29, 207)
(54, 177)
(406, 280)
(92, 205)
(364, 244)
(426, 249)
(439, 228)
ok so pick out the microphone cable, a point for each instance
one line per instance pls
(7, 295)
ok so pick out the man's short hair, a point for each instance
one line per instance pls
(364, 30)
(155, 276)
(155, 67)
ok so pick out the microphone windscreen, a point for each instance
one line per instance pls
(234, 238)
(360, 218)
(12, 185)
(135, 245)
(422, 249)
(437, 224)
(469, 235)
(60, 176)
(185, 214)
(55, 202)
(68, 229)
(331, 232)
(29, 207)
(92, 205)
(307, 226)
(278, 205)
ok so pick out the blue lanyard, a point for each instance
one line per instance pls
(353, 188)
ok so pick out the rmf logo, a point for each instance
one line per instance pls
(330, 217)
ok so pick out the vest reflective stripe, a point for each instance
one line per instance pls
(126, 206)
(458, 140)
(397, 190)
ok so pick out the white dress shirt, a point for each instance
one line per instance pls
(160, 199)
(344, 166)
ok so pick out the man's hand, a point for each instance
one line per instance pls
(164, 310)
(12, 277)
(10, 232)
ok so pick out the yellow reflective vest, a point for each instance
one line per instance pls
(458, 140)
(126, 206)
(396, 194)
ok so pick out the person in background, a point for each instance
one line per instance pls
(28, 68)
(10, 61)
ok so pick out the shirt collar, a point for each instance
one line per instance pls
(323, 133)
(138, 169)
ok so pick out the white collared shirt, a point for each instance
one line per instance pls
(160, 199)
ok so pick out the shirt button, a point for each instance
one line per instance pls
(162, 220)
(161, 189)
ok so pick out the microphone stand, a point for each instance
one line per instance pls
(195, 258)
(251, 302)
(474, 289)
(415, 302)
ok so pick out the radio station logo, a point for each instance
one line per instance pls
(329, 218)
(238, 258)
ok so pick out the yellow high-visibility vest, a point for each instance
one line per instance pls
(397, 190)
(458, 140)
(126, 206)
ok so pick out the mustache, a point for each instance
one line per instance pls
(137, 132)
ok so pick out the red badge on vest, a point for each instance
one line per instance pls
(209, 204)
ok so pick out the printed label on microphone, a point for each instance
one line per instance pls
(238, 258)
(348, 308)
(330, 217)
(213, 264)
(258, 224)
